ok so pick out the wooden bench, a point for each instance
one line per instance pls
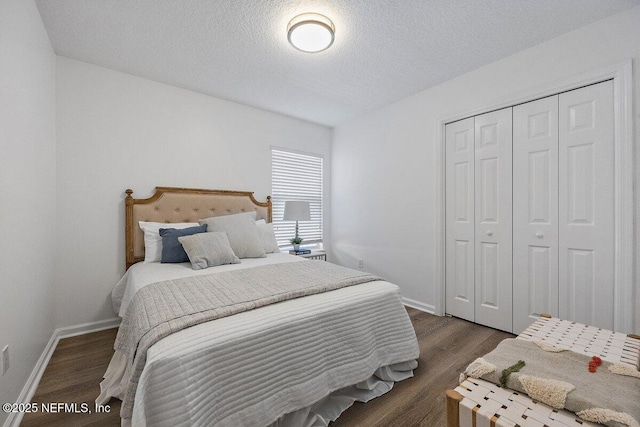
(478, 403)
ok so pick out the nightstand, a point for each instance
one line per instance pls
(318, 254)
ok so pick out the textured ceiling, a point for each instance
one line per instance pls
(385, 50)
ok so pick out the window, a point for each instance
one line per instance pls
(296, 176)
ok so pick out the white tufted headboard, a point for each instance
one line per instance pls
(170, 204)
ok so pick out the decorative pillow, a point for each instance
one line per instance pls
(268, 237)
(172, 250)
(208, 250)
(242, 232)
(152, 239)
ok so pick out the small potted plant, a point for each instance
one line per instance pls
(296, 243)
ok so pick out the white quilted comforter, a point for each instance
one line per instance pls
(234, 371)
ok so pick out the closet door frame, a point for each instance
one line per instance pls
(624, 158)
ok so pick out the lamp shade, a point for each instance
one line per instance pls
(296, 210)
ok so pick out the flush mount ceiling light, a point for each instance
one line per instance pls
(311, 32)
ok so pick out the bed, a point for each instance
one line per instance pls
(480, 403)
(297, 362)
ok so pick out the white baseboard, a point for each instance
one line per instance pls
(30, 387)
(33, 381)
(85, 328)
(427, 308)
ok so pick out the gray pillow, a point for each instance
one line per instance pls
(172, 251)
(208, 250)
(268, 237)
(242, 232)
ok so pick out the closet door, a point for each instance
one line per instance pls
(535, 211)
(493, 221)
(586, 251)
(459, 219)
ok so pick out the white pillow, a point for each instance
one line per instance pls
(242, 232)
(152, 239)
(268, 236)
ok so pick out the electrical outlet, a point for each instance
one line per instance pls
(5, 359)
(360, 264)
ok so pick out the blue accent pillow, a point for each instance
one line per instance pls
(172, 250)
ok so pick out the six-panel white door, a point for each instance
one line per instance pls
(560, 213)
(459, 240)
(493, 224)
(535, 211)
(586, 208)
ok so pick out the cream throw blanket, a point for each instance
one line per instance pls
(162, 308)
(562, 380)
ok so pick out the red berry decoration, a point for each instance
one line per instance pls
(594, 363)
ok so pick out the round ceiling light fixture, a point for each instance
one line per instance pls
(311, 32)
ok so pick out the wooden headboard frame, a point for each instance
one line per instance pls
(171, 205)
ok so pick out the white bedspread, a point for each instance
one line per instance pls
(233, 371)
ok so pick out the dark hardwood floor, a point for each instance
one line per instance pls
(73, 375)
(447, 346)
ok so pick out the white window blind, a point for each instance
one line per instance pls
(296, 176)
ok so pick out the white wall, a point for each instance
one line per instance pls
(116, 131)
(27, 188)
(384, 163)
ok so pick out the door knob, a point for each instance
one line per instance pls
(489, 233)
(539, 235)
